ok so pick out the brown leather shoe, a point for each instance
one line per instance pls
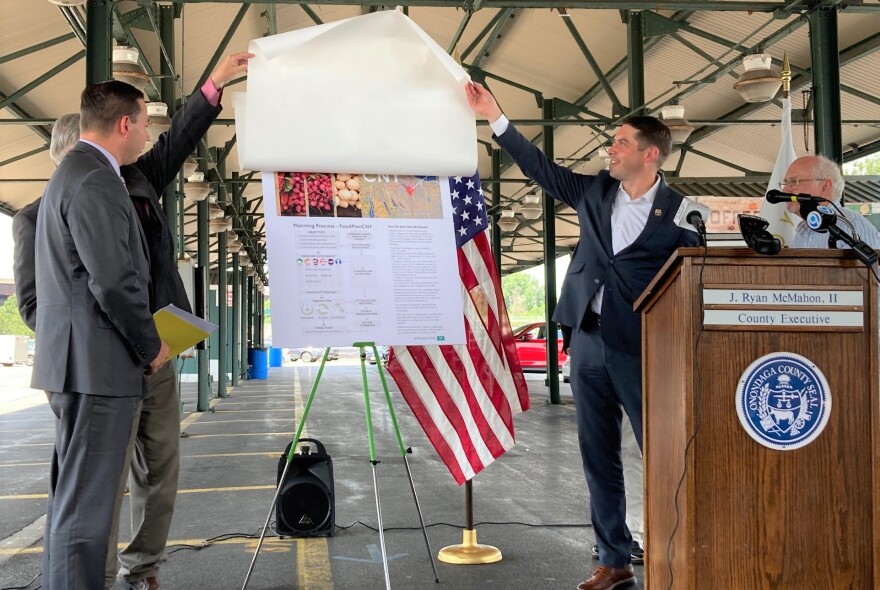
(606, 578)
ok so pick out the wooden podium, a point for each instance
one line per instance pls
(750, 516)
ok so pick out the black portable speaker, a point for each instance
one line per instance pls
(306, 504)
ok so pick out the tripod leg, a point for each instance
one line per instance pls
(296, 437)
(403, 452)
(373, 460)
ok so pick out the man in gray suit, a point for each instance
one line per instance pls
(95, 334)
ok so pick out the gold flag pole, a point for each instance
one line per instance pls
(469, 552)
(786, 75)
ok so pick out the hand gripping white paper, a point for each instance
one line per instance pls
(372, 93)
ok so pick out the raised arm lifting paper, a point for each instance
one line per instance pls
(373, 93)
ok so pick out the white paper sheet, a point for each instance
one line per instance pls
(372, 93)
(385, 271)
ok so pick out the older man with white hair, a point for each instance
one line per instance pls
(821, 177)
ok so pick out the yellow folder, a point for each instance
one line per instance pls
(181, 330)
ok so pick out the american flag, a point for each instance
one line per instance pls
(465, 396)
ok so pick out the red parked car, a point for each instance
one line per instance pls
(531, 346)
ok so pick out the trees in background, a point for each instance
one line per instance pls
(10, 320)
(524, 297)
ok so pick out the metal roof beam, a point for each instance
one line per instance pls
(506, 15)
(23, 115)
(594, 65)
(36, 82)
(489, 26)
(460, 31)
(36, 48)
(707, 5)
(312, 14)
(221, 49)
(852, 53)
(24, 155)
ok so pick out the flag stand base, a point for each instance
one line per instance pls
(469, 552)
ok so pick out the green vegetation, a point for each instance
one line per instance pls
(524, 297)
(867, 166)
(10, 320)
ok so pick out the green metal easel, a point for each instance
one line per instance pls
(404, 451)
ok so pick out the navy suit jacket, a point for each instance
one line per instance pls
(625, 274)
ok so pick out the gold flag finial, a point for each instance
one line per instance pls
(786, 75)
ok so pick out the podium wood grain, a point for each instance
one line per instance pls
(751, 517)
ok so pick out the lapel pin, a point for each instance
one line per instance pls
(657, 212)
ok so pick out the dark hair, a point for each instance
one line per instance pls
(102, 105)
(651, 132)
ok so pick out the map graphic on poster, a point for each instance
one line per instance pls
(360, 257)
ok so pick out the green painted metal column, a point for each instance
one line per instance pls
(496, 207)
(549, 113)
(635, 42)
(203, 353)
(168, 96)
(235, 335)
(222, 335)
(251, 306)
(826, 81)
(99, 41)
(242, 309)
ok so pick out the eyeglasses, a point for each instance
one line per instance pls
(794, 181)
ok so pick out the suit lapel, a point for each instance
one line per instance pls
(607, 204)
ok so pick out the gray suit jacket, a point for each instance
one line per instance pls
(24, 231)
(95, 333)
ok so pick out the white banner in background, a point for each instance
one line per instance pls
(361, 258)
(373, 92)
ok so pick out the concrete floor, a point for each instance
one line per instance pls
(531, 503)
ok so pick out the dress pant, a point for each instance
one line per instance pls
(154, 456)
(633, 481)
(91, 432)
(605, 383)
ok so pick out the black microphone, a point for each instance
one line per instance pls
(777, 196)
(824, 219)
(754, 232)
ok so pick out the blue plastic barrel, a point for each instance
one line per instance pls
(258, 363)
(275, 358)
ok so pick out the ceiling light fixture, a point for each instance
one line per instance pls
(507, 222)
(196, 189)
(189, 166)
(127, 67)
(531, 207)
(760, 81)
(158, 120)
(679, 127)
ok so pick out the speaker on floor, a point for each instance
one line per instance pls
(306, 503)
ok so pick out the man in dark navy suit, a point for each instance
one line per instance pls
(627, 233)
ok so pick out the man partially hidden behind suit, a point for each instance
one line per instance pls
(95, 334)
(626, 234)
